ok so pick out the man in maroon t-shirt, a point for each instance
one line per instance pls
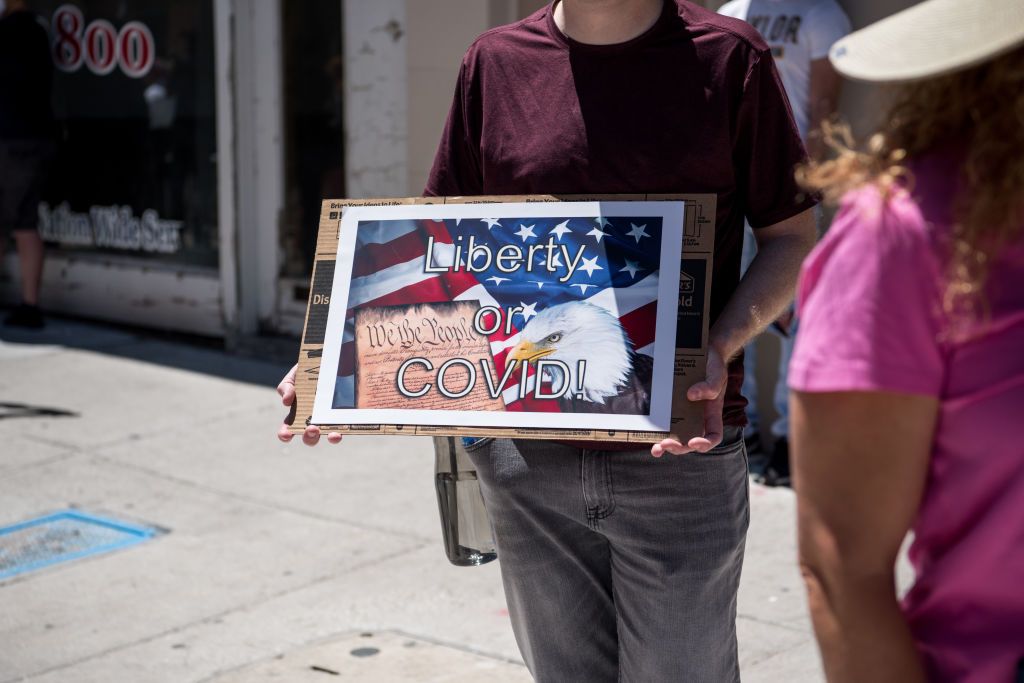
(618, 566)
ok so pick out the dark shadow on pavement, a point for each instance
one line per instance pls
(13, 410)
(256, 360)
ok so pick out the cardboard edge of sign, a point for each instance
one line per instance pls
(687, 416)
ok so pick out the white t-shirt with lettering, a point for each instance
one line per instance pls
(798, 32)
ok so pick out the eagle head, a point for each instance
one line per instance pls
(577, 331)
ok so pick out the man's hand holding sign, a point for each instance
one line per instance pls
(762, 296)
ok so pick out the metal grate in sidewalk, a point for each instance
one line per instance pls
(62, 537)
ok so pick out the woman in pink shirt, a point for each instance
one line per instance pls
(908, 375)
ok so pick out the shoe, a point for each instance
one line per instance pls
(26, 316)
(777, 472)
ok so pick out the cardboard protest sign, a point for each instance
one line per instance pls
(527, 317)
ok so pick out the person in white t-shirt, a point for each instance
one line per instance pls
(799, 33)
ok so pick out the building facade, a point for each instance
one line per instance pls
(197, 138)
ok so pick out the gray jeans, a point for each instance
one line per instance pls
(619, 566)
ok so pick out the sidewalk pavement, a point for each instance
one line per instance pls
(274, 562)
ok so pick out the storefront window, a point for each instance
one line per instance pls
(134, 100)
(313, 122)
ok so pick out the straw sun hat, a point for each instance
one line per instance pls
(932, 38)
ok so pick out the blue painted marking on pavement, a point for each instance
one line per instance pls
(62, 537)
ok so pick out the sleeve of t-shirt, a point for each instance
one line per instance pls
(456, 170)
(828, 23)
(734, 9)
(767, 148)
(869, 314)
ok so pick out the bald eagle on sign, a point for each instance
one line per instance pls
(616, 379)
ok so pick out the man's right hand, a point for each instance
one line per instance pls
(311, 436)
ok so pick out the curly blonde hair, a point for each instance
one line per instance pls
(983, 107)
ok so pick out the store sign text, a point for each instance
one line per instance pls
(100, 46)
(110, 227)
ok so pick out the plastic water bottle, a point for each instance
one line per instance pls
(468, 540)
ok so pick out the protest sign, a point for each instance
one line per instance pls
(526, 316)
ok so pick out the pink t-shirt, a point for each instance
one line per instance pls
(871, 320)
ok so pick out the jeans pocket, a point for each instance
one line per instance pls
(475, 443)
(724, 450)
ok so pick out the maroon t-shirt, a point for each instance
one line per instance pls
(692, 105)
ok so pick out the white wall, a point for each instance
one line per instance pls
(376, 100)
(439, 33)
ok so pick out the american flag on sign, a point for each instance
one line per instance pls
(582, 289)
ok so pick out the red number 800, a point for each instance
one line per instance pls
(99, 45)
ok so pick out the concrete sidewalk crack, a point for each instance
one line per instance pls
(133, 437)
(769, 622)
(457, 646)
(49, 442)
(768, 657)
(257, 501)
(52, 460)
(128, 436)
(340, 635)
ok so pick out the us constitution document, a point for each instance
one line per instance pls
(401, 351)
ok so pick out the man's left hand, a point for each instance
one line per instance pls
(712, 392)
